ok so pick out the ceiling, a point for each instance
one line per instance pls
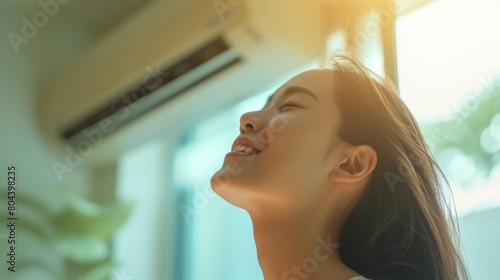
(100, 16)
(97, 16)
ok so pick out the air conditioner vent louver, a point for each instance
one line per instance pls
(209, 60)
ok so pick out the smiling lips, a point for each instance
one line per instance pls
(245, 145)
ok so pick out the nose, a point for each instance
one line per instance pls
(251, 122)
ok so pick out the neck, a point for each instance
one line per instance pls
(298, 247)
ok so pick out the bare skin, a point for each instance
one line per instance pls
(296, 189)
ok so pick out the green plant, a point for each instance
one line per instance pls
(471, 132)
(81, 234)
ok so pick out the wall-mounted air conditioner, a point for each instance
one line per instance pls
(159, 72)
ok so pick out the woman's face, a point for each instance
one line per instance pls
(294, 132)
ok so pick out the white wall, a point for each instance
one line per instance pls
(21, 141)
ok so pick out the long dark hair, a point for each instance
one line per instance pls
(401, 225)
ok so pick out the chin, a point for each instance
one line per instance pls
(232, 190)
(220, 180)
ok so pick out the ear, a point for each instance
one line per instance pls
(357, 165)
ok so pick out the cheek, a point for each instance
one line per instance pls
(294, 157)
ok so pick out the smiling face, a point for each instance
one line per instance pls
(294, 131)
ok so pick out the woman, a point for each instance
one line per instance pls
(339, 182)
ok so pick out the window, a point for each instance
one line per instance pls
(449, 64)
(449, 69)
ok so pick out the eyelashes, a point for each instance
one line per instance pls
(288, 105)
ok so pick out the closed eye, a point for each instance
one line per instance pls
(288, 105)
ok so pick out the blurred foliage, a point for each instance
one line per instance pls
(81, 233)
(471, 130)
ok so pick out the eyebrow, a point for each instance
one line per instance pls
(292, 90)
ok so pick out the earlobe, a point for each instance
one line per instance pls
(357, 165)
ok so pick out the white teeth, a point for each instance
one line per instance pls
(245, 148)
(241, 148)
